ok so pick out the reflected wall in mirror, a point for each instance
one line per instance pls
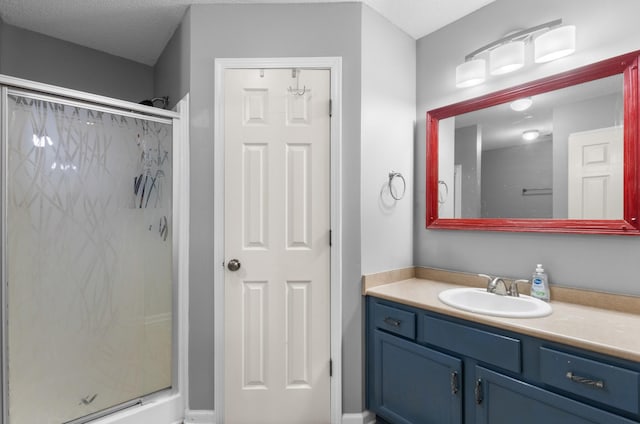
(513, 160)
(555, 155)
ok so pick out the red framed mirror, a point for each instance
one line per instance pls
(580, 175)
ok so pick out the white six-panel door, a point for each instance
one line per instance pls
(277, 227)
(596, 174)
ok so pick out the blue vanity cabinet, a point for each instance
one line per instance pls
(504, 400)
(413, 384)
(409, 383)
(427, 368)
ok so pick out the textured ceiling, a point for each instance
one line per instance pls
(139, 29)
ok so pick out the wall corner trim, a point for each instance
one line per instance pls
(199, 417)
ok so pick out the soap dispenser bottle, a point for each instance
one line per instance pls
(540, 284)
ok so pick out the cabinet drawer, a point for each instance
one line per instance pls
(395, 320)
(491, 348)
(608, 384)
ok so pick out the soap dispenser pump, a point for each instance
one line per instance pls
(540, 284)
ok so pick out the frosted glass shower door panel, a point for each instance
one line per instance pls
(89, 259)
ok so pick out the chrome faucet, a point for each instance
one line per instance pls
(494, 283)
(493, 286)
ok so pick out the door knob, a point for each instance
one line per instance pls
(233, 265)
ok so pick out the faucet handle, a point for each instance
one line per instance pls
(489, 280)
(513, 288)
(488, 277)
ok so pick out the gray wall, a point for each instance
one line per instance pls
(171, 75)
(378, 99)
(602, 31)
(468, 154)
(232, 31)
(506, 171)
(388, 119)
(603, 112)
(2, 24)
(33, 56)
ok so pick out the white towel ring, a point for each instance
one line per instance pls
(392, 175)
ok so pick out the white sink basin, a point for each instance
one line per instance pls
(481, 302)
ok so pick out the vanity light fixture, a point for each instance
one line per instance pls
(471, 73)
(554, 44)
(506, 58)
(551, 41)
(530, 135)
(522, 104)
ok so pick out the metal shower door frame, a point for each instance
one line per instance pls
(172, 400)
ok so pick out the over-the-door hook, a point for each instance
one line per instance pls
(295, 73)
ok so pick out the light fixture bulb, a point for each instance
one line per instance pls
(530, 135)
(470, 73)
(554, 44)
(506, 58)
(520, 105)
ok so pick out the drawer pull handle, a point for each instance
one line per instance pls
(455, 386)
(583, 380)
(392, 322)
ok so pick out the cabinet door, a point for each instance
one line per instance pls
(413, 384)
(504, 400)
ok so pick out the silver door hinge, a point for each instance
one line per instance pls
(330, 238)
(330, 108)
(330, 367)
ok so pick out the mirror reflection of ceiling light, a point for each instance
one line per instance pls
(530, 135)
(552, 41)
(42, 141)
(520, 105)
(63, 166)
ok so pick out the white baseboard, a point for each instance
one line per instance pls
(364, 417)
(199, 417)
(208, 417)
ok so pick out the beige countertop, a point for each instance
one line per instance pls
(608, 331)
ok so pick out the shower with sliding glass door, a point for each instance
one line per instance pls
(87, 258)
